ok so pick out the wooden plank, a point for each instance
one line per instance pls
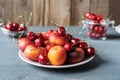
(24, 8)
(46, 12)
(1, 6)
(38, 9)
(52, 10)
(60, 11)
(114, 9)
(7, 9)
(103, 7)
(100, 6)
(78, 9)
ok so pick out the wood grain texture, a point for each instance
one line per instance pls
(7, 9)
(78, 9)
(22, 8)
(38, 12)
(1, 6)
(62, 12)
(100, 6)
(115, 10)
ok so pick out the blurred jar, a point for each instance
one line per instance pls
(97, 30)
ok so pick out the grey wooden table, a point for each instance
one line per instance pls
(105, 66)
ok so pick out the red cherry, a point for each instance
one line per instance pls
(42, 59)
(39, 42)
(104, 29)
(104, 34)
(39, 35)
(46, 42)
(9, 26)
(16, 26)
(96, 21)
(69, 37)
(22, 27)
(83, 45)
(89, 34)
(31, 36)
(61, 31)
(87, 14)
(49, 46)
(49, 32)
(97, 35)
(99, 17)
(91, 27)
(75, 41)
(92, 17)
(98, 29)
(90, 51)
(93, 34)
(68, 46)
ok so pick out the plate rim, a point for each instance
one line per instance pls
(22, 57)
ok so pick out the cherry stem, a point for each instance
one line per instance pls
(73, 32)
(13, 38)
(20, 18)
(82, 17)
(80, 22)
(54, 23)
(1, 21)
(76, 43)
(21, 35)
(29, 19)
(98, 50)
(110, 16)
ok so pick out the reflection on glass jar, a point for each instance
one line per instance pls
(97, 30)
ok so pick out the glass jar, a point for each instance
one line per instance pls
(97, 30)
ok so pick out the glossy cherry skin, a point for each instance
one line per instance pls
(16, 26)
(89, 34)
(69, 37)
(31, 36)
(68, 47)
(98, 29)
(49, 46)
(104, 34)
(99, 17)
(83, 45)
(42, 59)
(90, 51)
(75, 41)
(61, 31)
(9, 26)
(91, 27)
(97, 35)
(39, 35)
(49, 32)
(22, 27)
(39, 42)
(90, 16)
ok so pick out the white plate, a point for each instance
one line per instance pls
(21, 55)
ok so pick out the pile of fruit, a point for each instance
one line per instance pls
(54, 47)
(14, 26)
(97, 27)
